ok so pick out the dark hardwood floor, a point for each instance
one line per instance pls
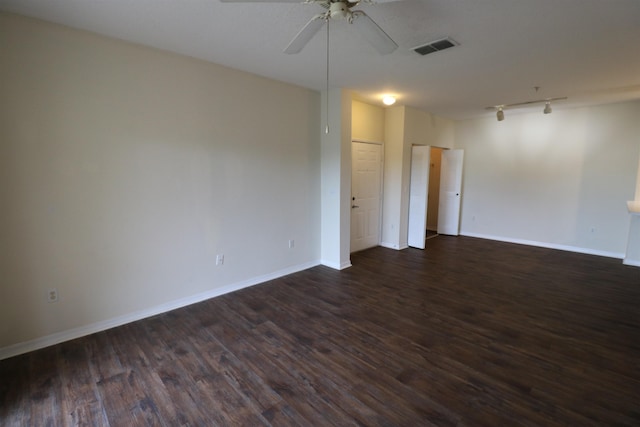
(469, 332)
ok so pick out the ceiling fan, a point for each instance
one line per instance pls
(337, 9)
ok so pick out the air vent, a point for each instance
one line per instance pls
(435, 46)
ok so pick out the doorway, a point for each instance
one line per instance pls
(433, 197)
(366, 194)
(434, 193)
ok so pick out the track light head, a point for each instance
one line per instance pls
(500, 114)
(547, 107)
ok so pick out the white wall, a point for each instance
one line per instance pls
(404, 127)
(336, 180)
(125, 170)
(560, 180)
(392, 182)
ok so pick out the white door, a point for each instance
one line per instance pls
(366, 184)
(418, 193)
(450, 192)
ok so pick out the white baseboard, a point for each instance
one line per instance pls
(567, 248)
(394, 246)
(336, 266)
(345, 264)
(70, 334)
(633, 262)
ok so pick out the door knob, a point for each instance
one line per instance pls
(354, 206)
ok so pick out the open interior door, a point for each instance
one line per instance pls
(450, 192)
(418, 193)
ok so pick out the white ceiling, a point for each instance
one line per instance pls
(587, 50)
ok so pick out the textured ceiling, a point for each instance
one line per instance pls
(587, 50)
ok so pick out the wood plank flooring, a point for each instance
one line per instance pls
(467, 333)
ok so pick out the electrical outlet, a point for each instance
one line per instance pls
(52, 295)
(292, 243)
(220, 259)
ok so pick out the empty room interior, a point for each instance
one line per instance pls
(395, 212)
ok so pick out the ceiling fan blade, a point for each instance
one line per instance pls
(373, 33)
(306, 33)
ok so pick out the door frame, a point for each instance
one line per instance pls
(439, 194)
(381, 185)
(436, 201)
(418, 225)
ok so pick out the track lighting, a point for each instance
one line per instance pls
(499, 109)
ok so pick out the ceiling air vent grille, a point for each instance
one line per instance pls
(435, 46)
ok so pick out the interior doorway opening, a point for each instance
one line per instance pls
(446, 170)
(433, 197)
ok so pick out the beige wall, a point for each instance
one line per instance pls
(637, 196)
(422, 128)
(125, 170)
(367, 122)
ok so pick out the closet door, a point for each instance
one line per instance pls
(418, 194)
(450, 192)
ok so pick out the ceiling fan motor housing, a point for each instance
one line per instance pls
(339, 9)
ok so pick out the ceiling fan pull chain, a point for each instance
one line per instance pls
(326, 130)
